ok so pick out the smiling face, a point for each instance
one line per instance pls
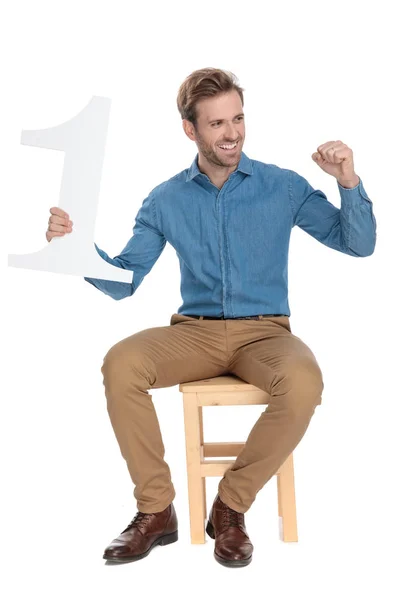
(220, 121)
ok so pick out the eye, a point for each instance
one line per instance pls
(217, 122)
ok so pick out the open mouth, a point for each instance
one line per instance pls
(229, 148)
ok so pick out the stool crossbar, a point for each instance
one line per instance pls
(201, 458)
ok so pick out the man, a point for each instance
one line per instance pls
(229, 218)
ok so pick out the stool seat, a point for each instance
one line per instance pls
(225, 390)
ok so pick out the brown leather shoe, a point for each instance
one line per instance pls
(233, 547)
(145, 531)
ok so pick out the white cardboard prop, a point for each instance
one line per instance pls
(83, 139)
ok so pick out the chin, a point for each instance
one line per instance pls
(235, 156)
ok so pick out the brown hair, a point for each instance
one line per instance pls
(204, 83)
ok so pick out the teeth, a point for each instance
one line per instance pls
(229, 147)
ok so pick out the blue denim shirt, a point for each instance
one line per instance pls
(232, 243)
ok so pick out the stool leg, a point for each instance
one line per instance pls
(193, 461)
(287, 500)
(203, 479)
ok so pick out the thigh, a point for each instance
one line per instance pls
(279, 362)
(168, 355)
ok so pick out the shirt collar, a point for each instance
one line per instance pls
(244, 165)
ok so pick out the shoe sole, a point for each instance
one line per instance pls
(223, 561)
(164, 540)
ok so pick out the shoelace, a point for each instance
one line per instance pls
(139, 519)
(232, 518)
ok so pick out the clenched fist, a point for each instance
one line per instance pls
(336, 159)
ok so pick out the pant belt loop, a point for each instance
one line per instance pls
(201, 317)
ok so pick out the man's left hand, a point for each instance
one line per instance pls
(336, 159)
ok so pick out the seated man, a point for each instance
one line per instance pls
(229, 219)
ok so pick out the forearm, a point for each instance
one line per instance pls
(115, 289)
(358, 222)
(348, 184)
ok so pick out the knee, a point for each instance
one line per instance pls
(303, 382)
(120, 365)
(115, 365)
(310, 372)
(114, 358)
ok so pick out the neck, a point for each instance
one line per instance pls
(216, 173)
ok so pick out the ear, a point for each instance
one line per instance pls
(188, 129)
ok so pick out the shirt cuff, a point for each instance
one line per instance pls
(354, 192)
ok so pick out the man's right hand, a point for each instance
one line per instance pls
(59, 223)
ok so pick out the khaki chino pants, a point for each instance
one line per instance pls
(263, 352)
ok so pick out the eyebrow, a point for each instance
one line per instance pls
(213, 120)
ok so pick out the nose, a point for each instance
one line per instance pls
(230, 133)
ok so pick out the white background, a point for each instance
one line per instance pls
(312, 72)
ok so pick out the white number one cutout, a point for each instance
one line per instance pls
(83, 139)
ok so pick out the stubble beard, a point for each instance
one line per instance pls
(212, 157)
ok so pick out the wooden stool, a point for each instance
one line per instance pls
(223, 391)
